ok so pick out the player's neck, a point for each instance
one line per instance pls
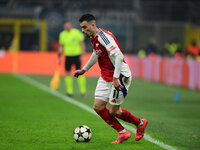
(68, 30)
(95, 32)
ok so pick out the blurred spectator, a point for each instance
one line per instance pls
(192, 50)
(178, 54)
(172, 47)
(151, 47)
(198, 57)
(141, 53)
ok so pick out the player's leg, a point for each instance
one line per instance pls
(82, 85)
(68, 77)
(81, 79)
(100, 108)
(127, 116)
(116, 99)
(115, 110)
(124, 115)
(102, 93)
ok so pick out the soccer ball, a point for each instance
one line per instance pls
(82, 134)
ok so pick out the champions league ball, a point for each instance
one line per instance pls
(82, 134)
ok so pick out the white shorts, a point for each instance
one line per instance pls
(105, 91)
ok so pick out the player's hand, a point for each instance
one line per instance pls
(117, 85)
(78, 73)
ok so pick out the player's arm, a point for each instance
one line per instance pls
(82, 43)
(61, 47)
(91, 61)
(118, 66)
(116, 57)
(60, 51)
(88, 65)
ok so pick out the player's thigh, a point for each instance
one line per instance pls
(68, 63)
(77, 62)
(117, 97)
(102, 91)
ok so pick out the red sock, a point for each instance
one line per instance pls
(110, 119)
(129, 117)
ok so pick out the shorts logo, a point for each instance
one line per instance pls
(113, 101)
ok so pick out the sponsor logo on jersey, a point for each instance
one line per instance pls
(98, 52)
(97, 44)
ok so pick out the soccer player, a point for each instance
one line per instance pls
(71, 41)
(112, 86)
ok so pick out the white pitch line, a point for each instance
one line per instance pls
(87, 108)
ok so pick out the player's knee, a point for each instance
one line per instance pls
(97, 107)
(111, 112)
(114, 112)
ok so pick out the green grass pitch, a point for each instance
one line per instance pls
(32, 119)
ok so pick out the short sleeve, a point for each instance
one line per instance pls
(109, 43)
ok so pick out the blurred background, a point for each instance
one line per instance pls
(138, 24)
(161, 38)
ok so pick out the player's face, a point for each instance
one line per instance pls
(87, 28)
(68, 26)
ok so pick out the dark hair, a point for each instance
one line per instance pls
(86, 17)
(66, 21)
